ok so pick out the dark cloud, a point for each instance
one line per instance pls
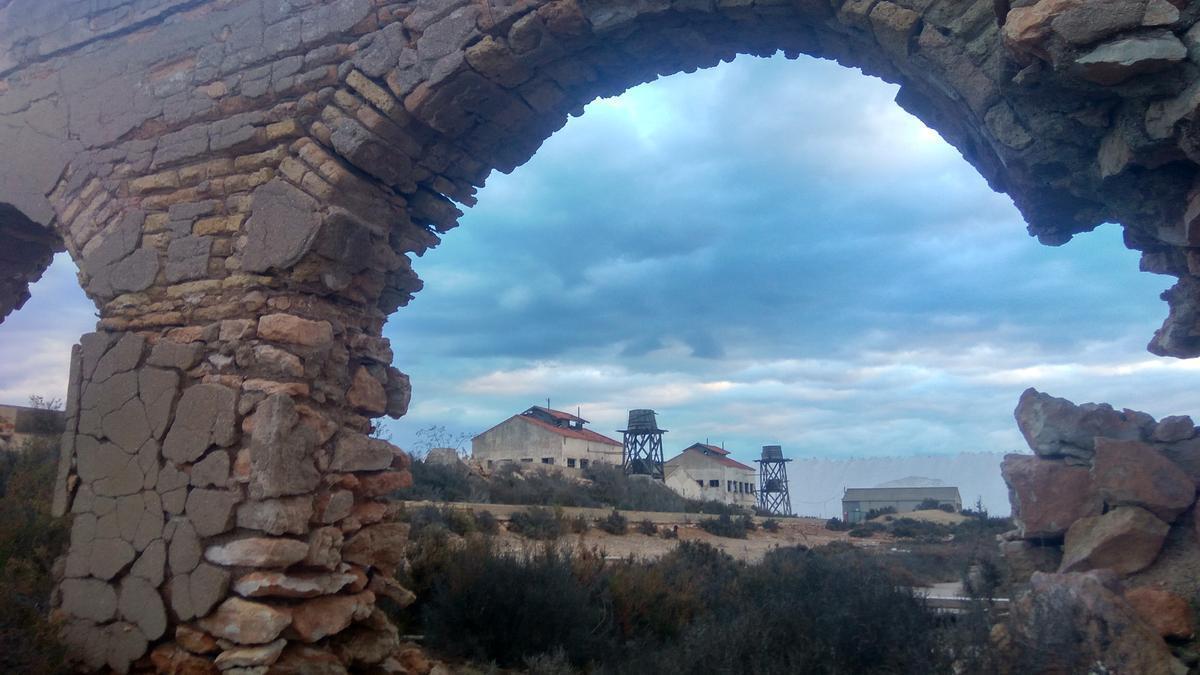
(770, 250)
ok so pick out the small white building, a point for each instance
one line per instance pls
(544, 437)
(706, 472)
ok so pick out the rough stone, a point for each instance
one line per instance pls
(1116, 61)
(294, 330)
(1024, 558)
(1055, 427)
(1135, 474)
(212, 471)
(140, 604)
(89, 599)
(157, 390)
(366, 393)
(194, 640)
(184, 552)
(319, 618)
(358, 452)
(1126, 540)
(110, 557)
(380, 546)
(257, 552)
(207, 585)
(294, 585)
(245, 657)
(277, 516)
(211, 511)
(1168, 614)
(246, 622)
(281, 461)
(1174, 428)
(125, 644)
(283, 224)
(324, 548)
(1088, 624)
(206, 416)
(151, 565)
(170, 354)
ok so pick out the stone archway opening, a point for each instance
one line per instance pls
(243, 183)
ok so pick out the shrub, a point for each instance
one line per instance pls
(724, 526)
(615, 523)
(647, 528)
(486, 522)
(837, 525)
(580, 525)
(875, 513)
(862, 532)
(30, 540)
(537, 523)
(670, 532)
(694, 611)
(747, 523)
(771, 525)
(928, 505)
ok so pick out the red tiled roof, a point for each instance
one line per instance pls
(711, 448)
(733, 463)
(559, 415)
(718, 455)
(582, 434)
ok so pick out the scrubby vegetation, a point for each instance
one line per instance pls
(725, 525)
(603, 486)
(696, 610)
(538, 523)
(30, 540)
(615, 523)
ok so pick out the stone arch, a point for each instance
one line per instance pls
(243, 183)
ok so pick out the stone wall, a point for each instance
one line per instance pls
(1111, 493)
(242, 184)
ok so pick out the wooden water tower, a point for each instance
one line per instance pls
(773, 494)
(642, 451)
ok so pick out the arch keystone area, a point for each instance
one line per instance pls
(243, 183)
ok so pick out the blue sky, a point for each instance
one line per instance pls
(770, 251)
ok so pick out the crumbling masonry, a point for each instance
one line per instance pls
(243, 183)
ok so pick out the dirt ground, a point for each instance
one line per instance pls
(809, 532)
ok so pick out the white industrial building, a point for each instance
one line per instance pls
(706, 472)
(545, 438)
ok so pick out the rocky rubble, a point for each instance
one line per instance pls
(1107, 502)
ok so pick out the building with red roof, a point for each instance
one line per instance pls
(546, 438)
(707, 472)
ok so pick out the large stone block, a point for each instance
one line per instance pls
(206, 416)
(1136, 474)
(1047, 495)
(1125, 540)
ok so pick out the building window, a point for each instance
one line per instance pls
(583, 463)
(547, 460)
(491, 463)
(527, 460)
(700, 483)
(570, 462)
(714, 483)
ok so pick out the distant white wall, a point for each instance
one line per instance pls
(816, 484)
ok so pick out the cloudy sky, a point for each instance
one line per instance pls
(765, 252)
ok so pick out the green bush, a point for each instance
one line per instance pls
(485, 522)
(694, 611)
(875, 513)
(771, 525)
(615, 523)
(580, 524)
(648, 528)
(537, 523)
(862, 532)
(30, 540)
(725, 526)
(837, 525)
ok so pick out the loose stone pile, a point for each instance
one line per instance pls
(1111, 493)
(243, 183)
